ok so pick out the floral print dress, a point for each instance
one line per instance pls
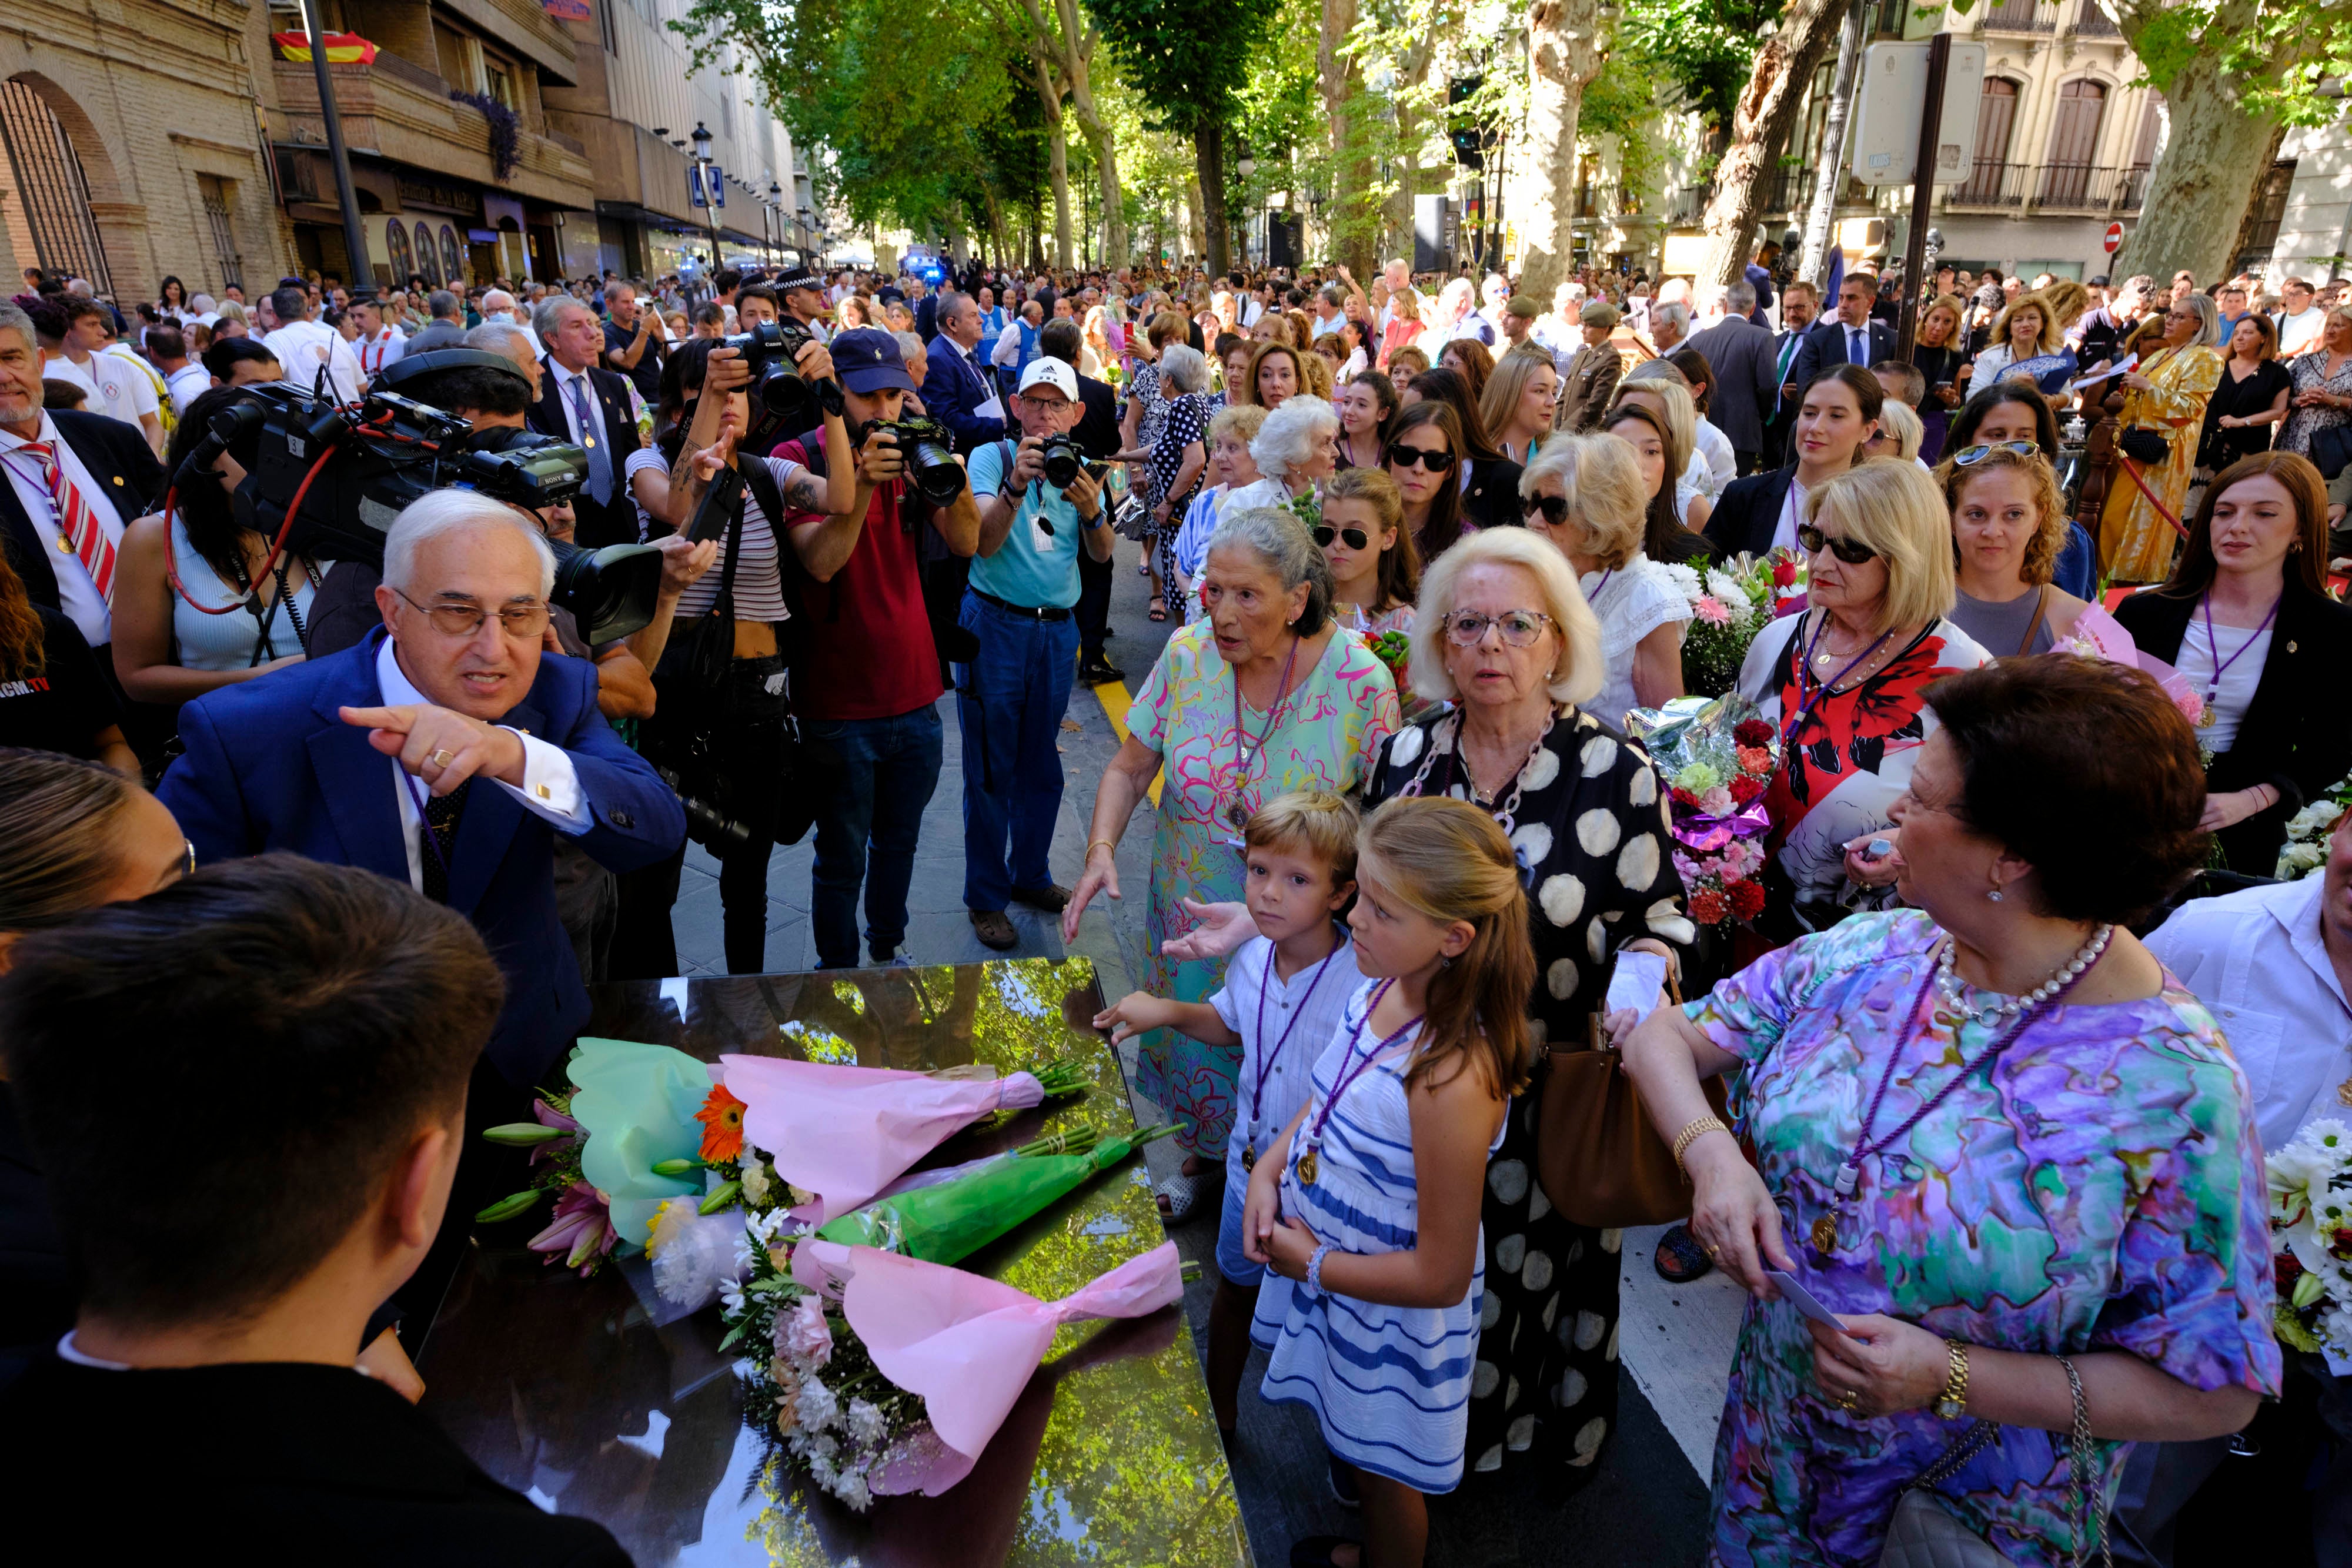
(1589, 820)
(2098, 1187)
(1324, 736)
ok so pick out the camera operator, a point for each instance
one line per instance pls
(168, 650)
(867, 685)
(241, 362)
(1040, 507)
(755, 303)
(729, 741)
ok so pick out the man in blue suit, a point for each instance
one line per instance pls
(956, 392)
(1849, 338)
(445, 752)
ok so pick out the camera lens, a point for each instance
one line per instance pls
(1062, 465)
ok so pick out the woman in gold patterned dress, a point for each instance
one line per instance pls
(2167, 394)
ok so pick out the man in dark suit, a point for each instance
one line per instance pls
(1853, 337)
(447, 327)
(1098, 436)
(956, 390)
(582, 403)
(1588, 378)
(1746, 378)
(469, 731)
(1799, 306)
(229, 1315)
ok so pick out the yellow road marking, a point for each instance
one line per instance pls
(1113, 699)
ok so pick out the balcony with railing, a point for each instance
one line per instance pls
(1788, 190)
(2089, 22)
(2021, 16)
(1991, 183)
(2086, 188)
(398, 110)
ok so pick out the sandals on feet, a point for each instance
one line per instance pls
(1159, 611)
(1181, 1194)
(1680, 1259)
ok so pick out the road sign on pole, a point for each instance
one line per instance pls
(2114, 238)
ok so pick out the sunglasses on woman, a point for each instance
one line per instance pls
(1355, 538)
(1853, 552)
(1553, 508)
(1403, 456)
(1967, 456)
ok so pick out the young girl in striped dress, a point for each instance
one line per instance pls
(1365, 1210)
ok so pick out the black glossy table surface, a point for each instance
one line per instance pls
(577, 1394)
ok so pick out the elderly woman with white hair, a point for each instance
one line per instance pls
(1505, 636)
(1296, 449)
(1268, 695)
(1584, 493)
(1180, 454)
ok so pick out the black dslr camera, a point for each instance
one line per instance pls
(1063, 460)
(331, 479)
(929, 450)
(784, 401)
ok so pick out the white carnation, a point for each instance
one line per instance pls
(866, 1424)
(817, 1408)
(756, 1184)
(1686, 581)
(853, 1491)
(1726, 588)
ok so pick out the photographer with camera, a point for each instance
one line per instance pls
(633, 340)
(723, 730)
(1041, 505)
(867, 677)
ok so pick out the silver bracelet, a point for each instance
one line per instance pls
(1313, 1278)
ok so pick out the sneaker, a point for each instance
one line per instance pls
(1100, 672)
(1053, 898)
(994, 929)
(896, 959)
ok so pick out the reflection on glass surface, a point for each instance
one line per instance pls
(572, 1391)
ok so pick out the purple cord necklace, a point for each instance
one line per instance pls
(1265, 1064)
(2214, 649)
(1824, 1234)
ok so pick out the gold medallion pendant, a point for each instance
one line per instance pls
(1249, 1157)
(1306, 1165)
(2343, 1091)
(1825, 1230)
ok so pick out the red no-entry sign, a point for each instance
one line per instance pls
(2115, 237)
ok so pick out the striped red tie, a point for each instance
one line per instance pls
(76, 521)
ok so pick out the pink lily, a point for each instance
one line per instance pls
(548, 1116)
(581, 1229)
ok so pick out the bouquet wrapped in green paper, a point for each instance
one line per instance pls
(947, 1222)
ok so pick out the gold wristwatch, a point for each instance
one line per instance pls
(1953, 1401)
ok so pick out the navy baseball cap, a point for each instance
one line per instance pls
(868, 360)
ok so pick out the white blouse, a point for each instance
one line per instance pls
(1632, 601)
(2237, 685)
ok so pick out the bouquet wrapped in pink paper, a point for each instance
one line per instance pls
(888, 1375)
(650, 1139)
(844, 1133)
(1717, 758)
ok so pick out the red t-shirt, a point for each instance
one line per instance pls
(866, 649)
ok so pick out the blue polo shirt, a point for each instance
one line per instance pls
(1032, 568)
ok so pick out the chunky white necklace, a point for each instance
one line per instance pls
(1948, 981)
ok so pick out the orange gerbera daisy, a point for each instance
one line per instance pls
(722, 1126)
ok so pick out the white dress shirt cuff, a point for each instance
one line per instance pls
(550, 788)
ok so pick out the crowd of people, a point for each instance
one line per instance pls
(1422, 544)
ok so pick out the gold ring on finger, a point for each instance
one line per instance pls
(443, 758)
(1849, 1399)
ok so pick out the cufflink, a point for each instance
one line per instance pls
(118, 478)
(543, 792)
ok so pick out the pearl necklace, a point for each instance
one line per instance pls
(1948, 981)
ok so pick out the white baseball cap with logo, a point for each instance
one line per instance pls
(1046, 371)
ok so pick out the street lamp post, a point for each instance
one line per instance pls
(709, 195)
(776, 199)
(354, 231)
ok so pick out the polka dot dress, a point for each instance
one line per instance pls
(1589, 820)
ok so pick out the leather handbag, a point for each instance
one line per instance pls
(1926, 1534)
(1598, 1158)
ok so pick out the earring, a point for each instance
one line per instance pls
(1994, 895)
(1446, 961)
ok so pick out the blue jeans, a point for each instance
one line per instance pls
(1010, 705)
(873, 777)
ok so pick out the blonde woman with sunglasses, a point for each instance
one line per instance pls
(1843, 681)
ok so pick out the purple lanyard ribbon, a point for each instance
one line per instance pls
(1351, 1069)
(1266, 1066)
(1821, 688)
(2213, 648)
